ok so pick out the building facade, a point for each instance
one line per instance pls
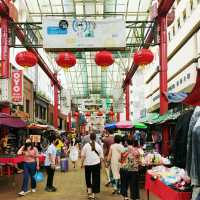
(183, 54)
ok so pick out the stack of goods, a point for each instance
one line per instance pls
(174, 177)
(156, 159)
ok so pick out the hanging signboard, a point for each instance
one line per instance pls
(17, 87)
(81, 33)
(65, 101)
(5, 90)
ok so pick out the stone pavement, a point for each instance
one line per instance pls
(71, 186)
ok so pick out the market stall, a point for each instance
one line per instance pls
(168, 183)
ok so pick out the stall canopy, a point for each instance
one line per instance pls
(110, 126)
(37, 126)
(10, 121)
(139, 125)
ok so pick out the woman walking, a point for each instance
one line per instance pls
(91, 157)
(129, 173)
(31, 164)
(114, 156)
(73, 152)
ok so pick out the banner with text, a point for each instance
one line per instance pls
(82, 33)
(17, 87)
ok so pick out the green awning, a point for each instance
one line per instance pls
(139, 125)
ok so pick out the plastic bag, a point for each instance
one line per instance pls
(39, 177)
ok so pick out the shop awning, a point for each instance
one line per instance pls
(194, 97)
(37, 126)
(10, 121)
(124, 124)
(110, 126)
(139, 125)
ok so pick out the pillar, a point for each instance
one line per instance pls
(163, 81)
(127, 102)
(55, 115)
(69, 120)
(118, 116)
(5, 50)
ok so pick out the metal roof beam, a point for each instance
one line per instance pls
(21, 36)
(163, 9)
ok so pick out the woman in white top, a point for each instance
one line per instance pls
(114, 157)
(91, 156)
(73, 149)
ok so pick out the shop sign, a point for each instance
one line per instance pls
(82, 33)
(5, 90)
(17, 87)
(35, 138)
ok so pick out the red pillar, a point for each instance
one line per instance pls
(118, 116)
(163, 81)
(55, 115)
(69, 120)
(5, 50)
(127, 103)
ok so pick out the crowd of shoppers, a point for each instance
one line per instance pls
(121, 156)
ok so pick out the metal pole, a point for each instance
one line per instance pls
(69, 120)
(127, 103)
(118, 116)
(55, 116)
(5, 50)
(163, 81)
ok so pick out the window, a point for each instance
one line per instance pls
(179, 23)
(173, 30)
(181, 81)
(177, 83)
(184, 78)
(184, 15)
(169, 36)
(27, 106)
(188, 76)
(191, 4)
(178, 1)
(36, 110)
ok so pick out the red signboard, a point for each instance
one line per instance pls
(17, 86)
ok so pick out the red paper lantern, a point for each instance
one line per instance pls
(104, 58)
(66, 59)
(26, 59)
(99, 113)
(76, 114)
(143, 57)
(87, 114)
(111, 113)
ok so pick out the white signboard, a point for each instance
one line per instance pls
(5, 90)
(65, 101)
(81, 33)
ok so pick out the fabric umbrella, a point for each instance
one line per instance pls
(10, 121)
(110, 126)
(139, 125)
(124, 124)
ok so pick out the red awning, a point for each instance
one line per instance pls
(10, 121)
(194, 97)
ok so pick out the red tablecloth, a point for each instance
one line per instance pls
(163, 191)
(19, 159)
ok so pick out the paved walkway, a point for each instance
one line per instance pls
(71, 186)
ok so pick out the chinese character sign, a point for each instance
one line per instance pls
(17, 87)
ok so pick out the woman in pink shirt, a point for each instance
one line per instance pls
(31, 164)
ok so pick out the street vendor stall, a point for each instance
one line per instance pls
(168, 183)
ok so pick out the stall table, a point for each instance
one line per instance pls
(163, 191)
